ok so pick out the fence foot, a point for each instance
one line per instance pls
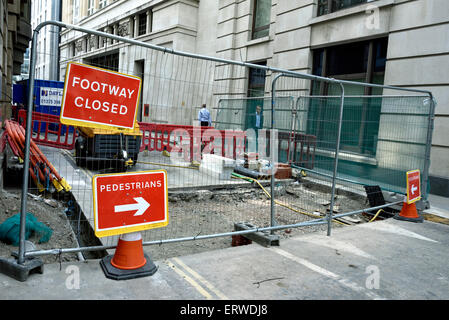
(20, 272)
(263, 238)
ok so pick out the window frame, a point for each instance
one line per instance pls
(255, 29)
(330, 6)
(251, 87)
(141, 32)
(102, 4)
(90, 7)
(368, 77)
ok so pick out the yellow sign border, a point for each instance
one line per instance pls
(83, 123)
(127, 229)
(408, 190)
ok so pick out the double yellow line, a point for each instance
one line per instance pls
(204, 287)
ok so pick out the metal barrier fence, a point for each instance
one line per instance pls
(206, 201)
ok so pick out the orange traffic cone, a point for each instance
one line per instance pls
(129, 261)
(129, 252)
(409, 213)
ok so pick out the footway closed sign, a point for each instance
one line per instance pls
(99, 98)
(129, 202)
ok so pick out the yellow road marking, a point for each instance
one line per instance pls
(201, 279)
(194, 284)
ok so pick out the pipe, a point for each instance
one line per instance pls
(34, 154)
(42, 156)
(17, 151)
(32, 159)
(160, 242)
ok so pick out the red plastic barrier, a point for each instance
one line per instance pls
(63, 138)
(190, 140)
(304, 146)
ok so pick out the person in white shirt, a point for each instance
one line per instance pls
(204, 117)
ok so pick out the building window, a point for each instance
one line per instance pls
(142, 28)
(360, 62)
(102, 4)
(329, 6)
(256, 81)
(110, 61)
(90, 7)
(261, 18)
(76, 11)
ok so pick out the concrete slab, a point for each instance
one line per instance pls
(388, 259)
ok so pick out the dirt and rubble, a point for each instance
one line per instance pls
(195, 213)
(202, 212)
(49, 211)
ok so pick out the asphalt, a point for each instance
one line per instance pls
(382, 260)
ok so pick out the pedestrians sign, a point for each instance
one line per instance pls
(129, 202)
(413, 186)
(99, 98)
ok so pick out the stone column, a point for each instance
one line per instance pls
(136, 26)
(149, 18)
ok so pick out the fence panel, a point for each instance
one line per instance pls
(275, 170)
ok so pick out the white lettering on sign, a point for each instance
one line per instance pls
(97, 86)
(105, 106)
(106, 88)
(126, 186)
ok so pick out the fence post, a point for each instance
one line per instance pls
(337, 149)
(428, 146)
(272, 150)
(26, 164)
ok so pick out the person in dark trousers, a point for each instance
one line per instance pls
(204, 117)
(256, 123)
(259, 119)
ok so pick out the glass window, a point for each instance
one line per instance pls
(329, 6)
(90, 7)
(102, 4)
(142, 24)
(261, 18)
(359, 62)
(256, 81)
(76, 11)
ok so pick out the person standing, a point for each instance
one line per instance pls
(259, 120)
(256, 124)
(204, 117)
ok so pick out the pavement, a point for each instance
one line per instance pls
(382, 260)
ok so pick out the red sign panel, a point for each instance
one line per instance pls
(129, 202)
(99, 98)
(413, 186)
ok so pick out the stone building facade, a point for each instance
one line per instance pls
(15, 34)
(393, 42)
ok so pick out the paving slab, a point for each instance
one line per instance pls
(387, 259)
